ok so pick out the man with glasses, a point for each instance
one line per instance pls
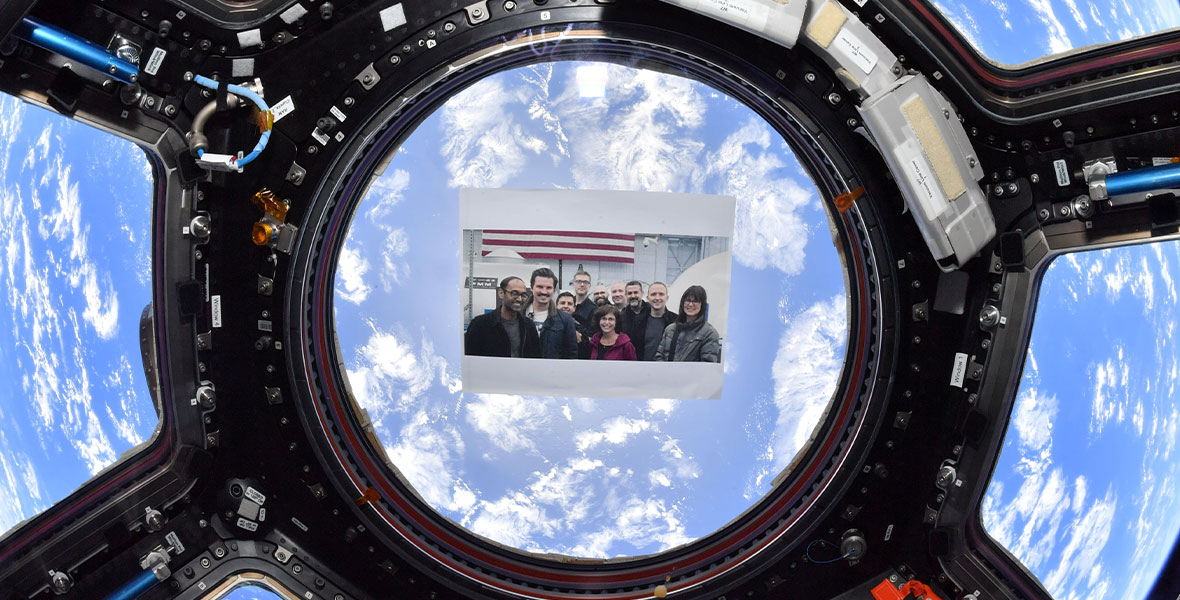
(504, 331)
(582, 301)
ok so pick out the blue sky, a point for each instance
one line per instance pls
(75, 268)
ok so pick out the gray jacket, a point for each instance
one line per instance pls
(702, 345)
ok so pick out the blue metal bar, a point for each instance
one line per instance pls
(132, 589)
(1143, 180)
(49, 37)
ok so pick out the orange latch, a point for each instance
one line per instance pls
(887, 591)
(844, 201)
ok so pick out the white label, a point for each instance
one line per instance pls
(293, 14)
(922, 180)
(262, 514)
(747, 14)
(394, 16)
(247, 524)
(1061, 171)
(255, 495)
(174, 541)
(960, 370)
(282, 108)
(320, 137)
(1161, 160)
(545, 16)
(249, 38)
(215, 304)
(339, 114)
(299, 523)
(852, 48)
(889, 532)
(339, 136)
(155, 60)
(242, 67)
(202, 585)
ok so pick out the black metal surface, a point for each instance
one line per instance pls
(280, 424)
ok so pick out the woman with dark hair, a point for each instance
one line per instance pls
(609, 343)
(691, 338)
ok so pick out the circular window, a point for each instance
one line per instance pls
(504, 179)
(546, 476)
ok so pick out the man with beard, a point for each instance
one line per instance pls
(600, 296)
(634, 315)
(505, 331)
(556, 329)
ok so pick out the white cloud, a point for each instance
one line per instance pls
(1077, 14)
(510, 422)
(1080, 572)
(1058, 40)
(385, 192)
(614, 431)
(806, 369)
(387, 375)
(769, 231)
(394, 269)
(17, 475)
(351, 269)
(429, 455)
(483, 144)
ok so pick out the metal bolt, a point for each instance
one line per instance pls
(326, 10)
(1011, 188)
(349, 101)
(219, 552)
(149, 102)
(1063, 211)
(971, 398)
(476, 12)
(989, 317)
(449, 27)
(1034, 178)
(395, 59)
(199, 226)
(917, 340)
(852, 122)
(204, 562)
(154, 520)
(170, 110)
(946, 476)
(809, 77)
(985, 344)
(206, 397)
(60, 582)
(312, 149)
(201, 342)
(1043, 214)
(946, 113)
(203, 523)
(1083, 206)
(367, 79)
(270, 368)
(976, 373)
(998, 190)
(296, 569)
(834, 98)
(280, 37)
(971, 162)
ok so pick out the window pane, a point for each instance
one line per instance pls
(589, 474)
(75, 207)
(1013, 32)
(251, 591)
(1084, 490)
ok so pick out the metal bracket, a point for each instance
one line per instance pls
(368, 77)
(296, 174)
(477, 13)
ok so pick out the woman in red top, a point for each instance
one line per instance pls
(608, 343)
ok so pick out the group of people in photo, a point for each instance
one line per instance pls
(615, 323)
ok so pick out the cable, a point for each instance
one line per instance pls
(250, 95)
(823, 562)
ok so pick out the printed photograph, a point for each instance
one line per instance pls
(630, 285)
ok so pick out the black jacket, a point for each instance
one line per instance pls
(635, 326)
(584, 311)
(485, 337)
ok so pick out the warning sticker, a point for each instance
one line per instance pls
(247, 524)
(1061, 171)
(959, 372)
(255, 495)
(320, 137)
(339, 114)
(154, 61)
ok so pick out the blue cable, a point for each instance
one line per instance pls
(248, 94)
(822, 562)
(137, 586)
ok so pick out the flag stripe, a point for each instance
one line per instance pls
(582, 257)
(561, 239)
(567, 253)
(587, 234)
(548, 244)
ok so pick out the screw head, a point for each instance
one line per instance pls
(809, 77)
(834, 98)
(1043, 214)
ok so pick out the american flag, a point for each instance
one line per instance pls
(562, 245)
